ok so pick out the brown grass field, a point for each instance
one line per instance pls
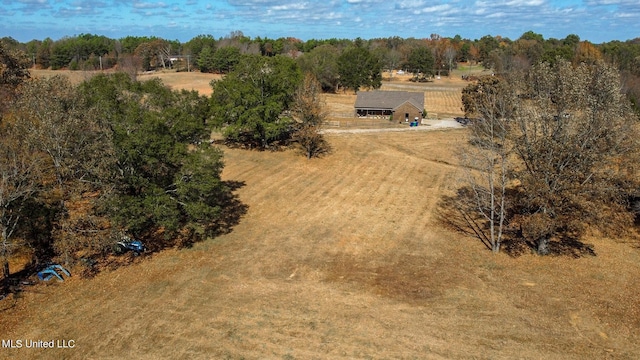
(177, 80)
(342, 257)
(442, 96)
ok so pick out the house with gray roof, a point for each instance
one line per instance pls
(395, 105)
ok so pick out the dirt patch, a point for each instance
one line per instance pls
(414, 279)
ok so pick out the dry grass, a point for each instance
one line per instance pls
(342, 258)
(189, 81)
(177, 80)
(442, 96)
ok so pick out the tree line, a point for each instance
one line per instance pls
(488, 50)
(423, 57)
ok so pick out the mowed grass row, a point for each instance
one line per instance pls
(444, 103)
(438, 103)
(343, 257)
(288, 277)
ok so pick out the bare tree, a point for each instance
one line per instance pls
(18, 165)
(164, 53)
(309, 114)
(554, 155)
(130, 64)
(492, 104)
(13, 72)
(450, 56)
(77, 148)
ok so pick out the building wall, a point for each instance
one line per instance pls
(406, 108)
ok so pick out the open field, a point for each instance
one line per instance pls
(176, 80)
(442, 96)
(189, 81)
(342, 257)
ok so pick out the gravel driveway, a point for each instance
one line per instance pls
(427, 125)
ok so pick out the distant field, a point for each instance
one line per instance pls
(177, 80)
(442, 96)
(342, 257)
(189, 81)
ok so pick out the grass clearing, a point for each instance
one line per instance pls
(343, 257)
(442, 96)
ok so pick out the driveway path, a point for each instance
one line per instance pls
(428, 125)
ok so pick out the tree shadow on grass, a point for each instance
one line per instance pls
(232, 209)
(571, 247)
(567, 246)
(458, 213)
(13, 287)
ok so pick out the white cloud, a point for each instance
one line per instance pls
(628, 15)
(611, 2)
(253, 2)
(330, 18)
(497, 15)
(525, 2)
(295, 6)
(75, 12)
(149, 5)
(435, 9)
(364, 2)
(410, 4)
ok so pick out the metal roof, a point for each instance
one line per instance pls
(388, 100)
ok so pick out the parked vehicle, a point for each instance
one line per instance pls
(128, 244)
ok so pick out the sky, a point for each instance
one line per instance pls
(593, 20)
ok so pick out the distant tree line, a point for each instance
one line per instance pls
(425, 57)
(446, 51)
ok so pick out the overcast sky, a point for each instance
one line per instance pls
(594, 20)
